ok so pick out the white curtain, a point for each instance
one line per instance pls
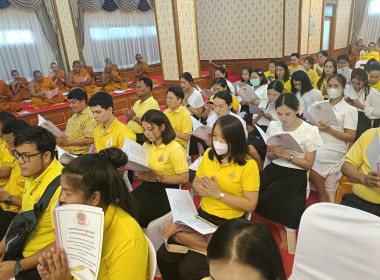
(370, 31)
(23, 47)
(119, 36)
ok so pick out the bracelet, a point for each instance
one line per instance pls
(134, 118)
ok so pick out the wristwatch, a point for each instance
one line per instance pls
(158, 179)
(221, 195)
(8, 201)
(18, 270)
(291, 157)
(188, 105)
(133, 119)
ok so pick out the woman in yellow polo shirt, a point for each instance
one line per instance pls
(329, 69)
(228, 180)
(308, 63)
(271, 70)
(170, 169)
(283, 75)
(94, 180)
(374, 76)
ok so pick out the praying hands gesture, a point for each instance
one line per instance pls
(210, 186)
(372, 180)
(54, 267)
(130, 113)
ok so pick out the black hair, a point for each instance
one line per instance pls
(264, 80)
(225, 95)
(78, 94)
(137, 54)
(14, 71)
(187, 76)
(233, 133)
(361, 75)
(343, 57)
(323, 77)
(324, 53)
(177, 91)
(223, 71)
(371, 43)
(290, 100)
(283, 65)
(44, 139)
(76, 62)
(53, 63)
(35, 72)
(296, 55)
(222, 82)
(272, 61)
(373, 66)
(14, 127)
(6, 117)
(310, 60)
(249, 69)
(102, 99)
(303, 77)
(249, 243)
(98, 173)
(158, 118)
(276, 85)
(342, 79)
(147, 81)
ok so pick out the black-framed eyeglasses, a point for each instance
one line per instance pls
(24, 157)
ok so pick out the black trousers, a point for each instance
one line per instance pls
(6, 218)
(354, 201)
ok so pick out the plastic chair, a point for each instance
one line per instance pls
(337, 242)
(152, 260)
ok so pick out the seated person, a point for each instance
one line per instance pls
(80, 127)
(111, 81)
(19, 87)
(321, 58)
(145, 103)
(87, 180)
(366, 181)
(308, 65)
(79, 78)
(6, 159)
(59, 77)
(329, 69)
(179, 117)
(193, 100)
(113, 66)
(141, 68)
(110, 132)
(167, 158)
(89, 69)
(239, 248)
(371, 53)
(221, 72)
(35, 148)
(228, 181)
(283, 75)
(343, 63)
(6, 99)
(10, 197)
(355, 52)
(44, 92)
(374, 76)
(271, 70)
(294, 63)
(245, 75)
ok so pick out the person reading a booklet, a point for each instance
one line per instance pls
(366, 99)
(245, 73)
(93, 180)
(35, 148)
(364, 176)
(221, 72)
(167, 158)
(306, 93)
(228, 181)
(343, 63)
(271, 70)
(282, 197)
(325, 173)
(240, 248)
(283, 75)
(193, 100)
(329, 69)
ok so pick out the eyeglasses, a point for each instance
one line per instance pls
(24, 157)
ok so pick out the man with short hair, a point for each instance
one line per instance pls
(11, 196)
(80, 127)
(6, 159)
(111, 81)
(145, 103)
(35, 148)
(141, 68)
(113, 65)
(6, 99)
(59, 77)
(44, 91)
(110, 132)
(19, 87)
(371, 53)
(79, 78)
(343, 63)
(294, 65)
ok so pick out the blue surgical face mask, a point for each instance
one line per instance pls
(254, 82)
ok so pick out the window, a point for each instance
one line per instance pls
(329, 10)
(16, 37)
(100, 34)
(374, 7)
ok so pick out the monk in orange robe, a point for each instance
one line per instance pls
(19, 87)
(59, 77)
(114, 66)
(6, 99)
(142, 69)
(79, 78)
(44, 92)
(111, 81)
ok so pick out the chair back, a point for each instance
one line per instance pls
(152, 259)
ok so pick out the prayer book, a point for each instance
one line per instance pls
(207, 93)
(79, 230)
(194, 166)
(238, 85)
(184, 211)
(81, 79)
(138, 156)
(64, 157)
(50, 93)
(253, 109)
(345, 71)
(286, 141)
(248, 94)
(322, 112)
(196, 123)
(373, 154)
(203, 132)
(50, 126)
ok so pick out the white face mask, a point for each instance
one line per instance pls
(220, 148)
(334, 93)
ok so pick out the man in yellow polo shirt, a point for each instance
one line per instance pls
(11, 194)
(80, 127)
(294, 59)
(366, 181)
(5, 157)
(144, 92)
(35, 148)
(110, 132)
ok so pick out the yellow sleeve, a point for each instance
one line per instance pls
(128, 133)
(355, 155)
(187, 124)
(235, 103)
(154, 106)
(377, 56)
(203, 165)
(287, 87)
(250, 176)
(178, 160)
(7, 159)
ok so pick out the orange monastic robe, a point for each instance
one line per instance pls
(90, 71)
(112, 85)
(5, 93)
(90, 89)
(144, 64)
(61, 85)
(23, 93)
(43, 102)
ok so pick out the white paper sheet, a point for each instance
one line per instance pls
(138, 156)
(262, 133)
(248, 94)
(322, 112)
(196, 123)
(50, 126)
(203, 132)
(194, 166)
(373, 152)
(253, 109)
(286, 141)
(64, 157)
(207, 93)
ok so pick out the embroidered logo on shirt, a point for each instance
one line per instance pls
(232, 175)
(109, 143)
(161, 158)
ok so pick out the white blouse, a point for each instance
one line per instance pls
(212, 119)
(195, 100)
(268, 109)
(309, 99)
(371, 102)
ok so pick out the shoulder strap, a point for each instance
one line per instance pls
(42, 204)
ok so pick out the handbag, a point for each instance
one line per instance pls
(24, 223)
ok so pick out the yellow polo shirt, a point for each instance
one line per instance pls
(167, 159)
(316, 66)
(6, 160)
(290, 67)
(321, 88)
(358, 158)
(313, 75)
(287, 86)
(15, 186)
(180, 121)
(377, 85)
(140, 109)
(80, 125)
(233, 179)
(125, 247)
(113, 137)
(235, 102)
(269, 73)
(43, 234)
(370, 55)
